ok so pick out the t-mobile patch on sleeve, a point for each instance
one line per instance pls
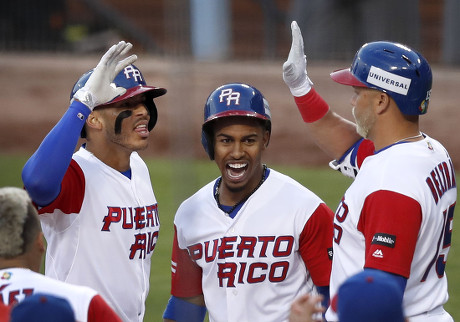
(384, 240)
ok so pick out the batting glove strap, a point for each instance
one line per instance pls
(311, 106)
(85, 97)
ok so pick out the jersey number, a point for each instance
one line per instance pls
(444, 242)
(340, 216)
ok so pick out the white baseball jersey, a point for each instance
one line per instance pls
(18, 283)
(397, 217)
(252, 267)
(102, 230)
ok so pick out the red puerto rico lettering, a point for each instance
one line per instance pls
(210, 257)
(226, 247)
(135, 218)
(126, 224)
(252, 273)
(242, 246)
(144, 243)
(113, 215)
(139, 218)
(247, 244)
(131, 218)
(226, 271)
(151, 215)
(231, 272)
(265, 241)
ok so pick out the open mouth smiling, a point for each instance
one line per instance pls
(236, 171)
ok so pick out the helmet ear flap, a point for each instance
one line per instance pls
(83, 132)
(207, 141)
(150, 104)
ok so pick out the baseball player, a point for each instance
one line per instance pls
(251, 241)
(397, 214)
(97, 207)
(41, 307)
(21, 253)
(368, 296)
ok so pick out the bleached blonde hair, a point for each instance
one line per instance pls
(19, 223)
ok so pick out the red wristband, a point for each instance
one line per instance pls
(311, 106)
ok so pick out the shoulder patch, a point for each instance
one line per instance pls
(384, 240)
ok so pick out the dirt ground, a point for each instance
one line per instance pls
(35, 93)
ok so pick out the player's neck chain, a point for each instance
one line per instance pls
(217, 194)
(419, 135)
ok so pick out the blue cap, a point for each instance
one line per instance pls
(42, 307)
(369, 296)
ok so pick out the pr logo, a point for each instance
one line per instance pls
(230, 96)
(135, 73)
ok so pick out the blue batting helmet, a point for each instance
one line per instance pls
(132, 80)
(234, 99)
(393, 68)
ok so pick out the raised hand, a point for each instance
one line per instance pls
(99, 89)
(295, 67)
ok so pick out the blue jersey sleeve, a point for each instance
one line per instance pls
(43, 172)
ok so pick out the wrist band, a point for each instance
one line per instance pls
(182, 311)
(311, 106)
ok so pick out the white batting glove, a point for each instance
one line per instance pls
(98, 89)
(295, 67)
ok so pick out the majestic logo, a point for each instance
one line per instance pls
(388, 81)
(378, 253)
(384, 240)
(130, 71)
(230, 96)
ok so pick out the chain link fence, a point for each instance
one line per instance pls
(231, 29)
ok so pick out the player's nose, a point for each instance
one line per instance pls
(237, 150)
(140, 110)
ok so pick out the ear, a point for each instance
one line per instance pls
(40, 243)
(266, 138)
(383, 102)
(93, 121)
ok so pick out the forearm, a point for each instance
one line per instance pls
(43, 173)
(333, 134)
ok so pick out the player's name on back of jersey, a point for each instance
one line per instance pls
(441, 179)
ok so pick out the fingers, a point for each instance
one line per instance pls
(304, 308)
(297, 41)
(125, 47)
(125, 62)
(115, 52)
